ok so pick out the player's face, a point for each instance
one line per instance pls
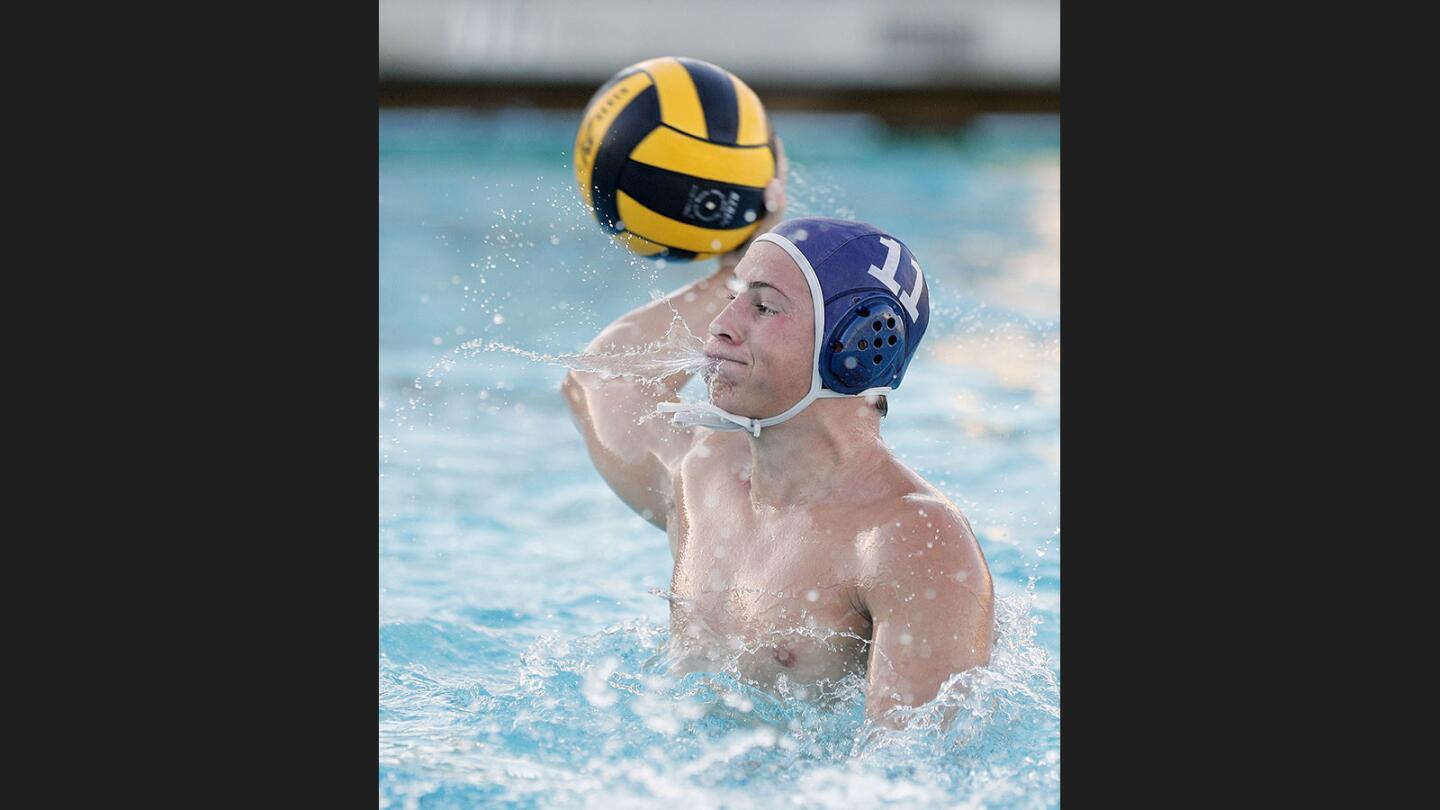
(765, 339)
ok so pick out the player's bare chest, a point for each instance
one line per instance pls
(772, 585)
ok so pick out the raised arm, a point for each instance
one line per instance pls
(636, 457)
(931, 602)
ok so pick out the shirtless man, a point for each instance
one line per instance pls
(801, 544)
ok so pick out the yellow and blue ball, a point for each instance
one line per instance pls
(673, 156)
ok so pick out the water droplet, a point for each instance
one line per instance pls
(498, 319)
(812, 595)
(850, 362)
(801, 235)
(749, 216)
(596, 687)
(714, 244)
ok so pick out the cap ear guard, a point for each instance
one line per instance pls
(866, 348)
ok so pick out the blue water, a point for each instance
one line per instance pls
(518, 619)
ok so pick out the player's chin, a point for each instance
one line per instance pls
(723, 394)
(719, 391)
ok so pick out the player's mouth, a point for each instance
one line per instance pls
(716, 356)
(723, 364)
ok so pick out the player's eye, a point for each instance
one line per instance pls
(764, 310)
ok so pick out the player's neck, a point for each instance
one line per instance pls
(815, 454)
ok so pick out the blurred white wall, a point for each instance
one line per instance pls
(820, 43)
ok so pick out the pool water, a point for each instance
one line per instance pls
(522, 620)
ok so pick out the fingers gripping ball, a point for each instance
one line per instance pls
(673, 156)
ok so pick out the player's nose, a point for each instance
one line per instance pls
(724, 326)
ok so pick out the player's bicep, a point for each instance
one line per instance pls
(932, 610)
(919, 643)
(634, 450)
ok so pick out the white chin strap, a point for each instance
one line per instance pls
(709, 415)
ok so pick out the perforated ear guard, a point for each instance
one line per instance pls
(866, 349)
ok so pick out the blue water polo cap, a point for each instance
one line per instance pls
(875, 303)
(871, 310)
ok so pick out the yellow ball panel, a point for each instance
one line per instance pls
(679, 101)
(644, 247)
(668, 149)
(660, 228)
(754, 127)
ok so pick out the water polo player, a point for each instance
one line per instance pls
(801, 545)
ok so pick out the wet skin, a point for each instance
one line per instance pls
(767, 579)
(810, 551)
(787, 584)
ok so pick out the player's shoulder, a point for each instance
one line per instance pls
(924, 542)
(923, 523)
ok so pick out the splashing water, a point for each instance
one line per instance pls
(680, 351)
(605, 724)
(808, 193)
